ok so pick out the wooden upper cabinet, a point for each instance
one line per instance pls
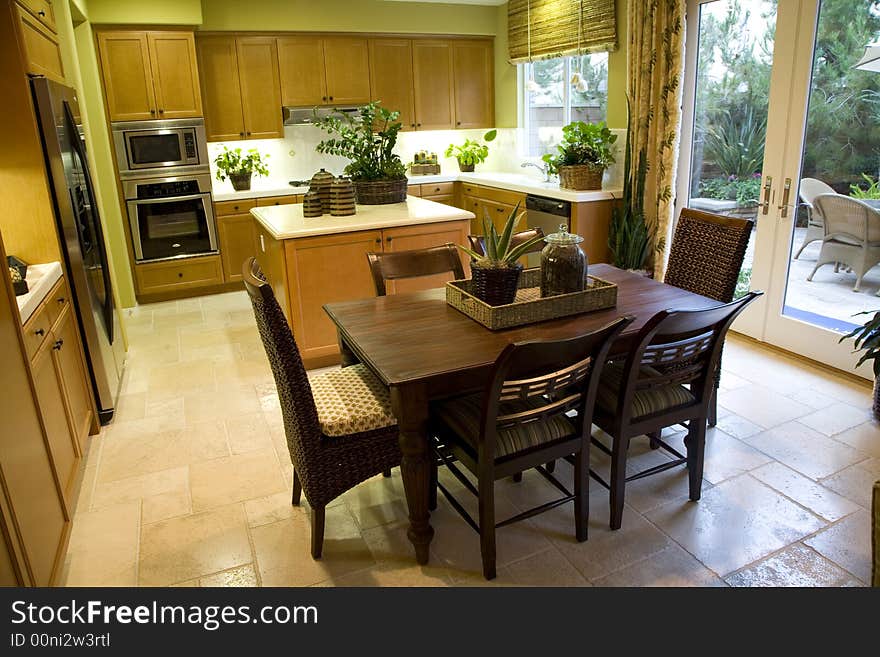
(301, 66)
(347, 67)
(391, 77)
(473, 73)
(128, 85)
(260, 87)
(175, 74)
(433, 84)
(149, 75)
(218, 66)
(40, 42)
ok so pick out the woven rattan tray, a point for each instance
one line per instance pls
(529, 307)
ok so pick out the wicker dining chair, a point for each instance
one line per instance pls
(706, 257)
(339, 425)
(415, 263)
(519, 422)
(667, 378)
(478, 244)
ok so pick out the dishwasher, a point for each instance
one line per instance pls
(546, 214)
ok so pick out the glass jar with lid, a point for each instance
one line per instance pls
(563, 264)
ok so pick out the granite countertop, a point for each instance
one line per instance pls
(519, 182)
(287, 221)
(40, 279)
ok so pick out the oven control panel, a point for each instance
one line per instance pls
(166, 189)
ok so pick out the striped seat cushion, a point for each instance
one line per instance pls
(645, 402)
(351, 400)
(463, 417)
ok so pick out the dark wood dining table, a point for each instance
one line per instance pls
(424, 349)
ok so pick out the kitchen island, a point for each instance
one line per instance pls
(313, 261)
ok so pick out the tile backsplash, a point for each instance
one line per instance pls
(295, 157)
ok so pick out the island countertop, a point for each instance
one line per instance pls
(284, 222)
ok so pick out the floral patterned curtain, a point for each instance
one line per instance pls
(656, 67)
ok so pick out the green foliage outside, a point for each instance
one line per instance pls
(583, 143)
(872, 191)
(733, 80)
(550, 76)
(745, 191)
(367, 143)
(232, 162)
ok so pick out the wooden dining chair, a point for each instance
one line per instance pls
(414, 263)
(339, 425)
(518, 422)
(667, 378)
(478, 245)
(706, 257)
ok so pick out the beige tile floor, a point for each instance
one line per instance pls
(190, 485)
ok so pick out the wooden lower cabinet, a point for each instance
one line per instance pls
(325, 270)
(176, 275)
(236, 237)
(309, 272)
(71, 370)
(423, 237)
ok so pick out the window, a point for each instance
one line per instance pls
(550, 100)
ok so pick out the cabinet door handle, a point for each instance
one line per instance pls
(331, 97)
(180, 274)
(412, 125)
(58, 344)
(41, 13)
(378, 240)
(248, 134)
(418, 125)
(152, 112)
(388, 239)
(458, 123)
(161, 111)
(62, 300)
(324, 98)
(40, 332)
(235, 207)
(241, 134)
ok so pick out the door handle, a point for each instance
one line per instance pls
(786, 192)
(765, 205)
(58, 344)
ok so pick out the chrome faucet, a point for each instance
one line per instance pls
(543, 168)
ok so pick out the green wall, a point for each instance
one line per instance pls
(152, 12)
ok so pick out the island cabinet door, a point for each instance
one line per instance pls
(423, 237)
(324, 270)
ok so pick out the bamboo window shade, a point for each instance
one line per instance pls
(557, 30)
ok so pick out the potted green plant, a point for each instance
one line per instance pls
(495, 274)
(867, 339)
(239, 168)
(471, 152)
(582, 156)
(367, 141)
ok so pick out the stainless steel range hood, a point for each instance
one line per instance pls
(306, 115)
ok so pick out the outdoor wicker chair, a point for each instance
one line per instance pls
(811, 188)
(339, 426)
(852, 235)
(706, 258)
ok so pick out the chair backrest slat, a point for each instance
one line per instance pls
(414, 264)
(707, 253)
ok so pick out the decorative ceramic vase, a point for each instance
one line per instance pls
(342, 198)
(563, 264)
(320, 183)
(240, 181)
(312, 206)
(496, 285)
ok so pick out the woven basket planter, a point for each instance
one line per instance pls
(381, 192)
(580, 177)
(496, 285)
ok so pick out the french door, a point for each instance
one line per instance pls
(773, 97)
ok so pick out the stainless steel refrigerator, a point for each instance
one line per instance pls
(82, 237)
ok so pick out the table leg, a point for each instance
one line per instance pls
(346, 355)
(410, 406)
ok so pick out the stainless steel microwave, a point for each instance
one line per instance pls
(160, 148)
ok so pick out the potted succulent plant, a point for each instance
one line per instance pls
(583, 155)
(496, 273)
(867, 339)
(471, 152)
(378, 174)
(239, 168)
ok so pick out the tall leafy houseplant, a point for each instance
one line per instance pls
(368, 141)
(471, 152)
(583, 155)
(867, 339)
(628, 233)
(239, 168)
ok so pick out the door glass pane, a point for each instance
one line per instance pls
(735, 56)
(836, 239)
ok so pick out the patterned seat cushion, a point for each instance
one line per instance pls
(645, 402)
(351, 400)
(463, 415)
